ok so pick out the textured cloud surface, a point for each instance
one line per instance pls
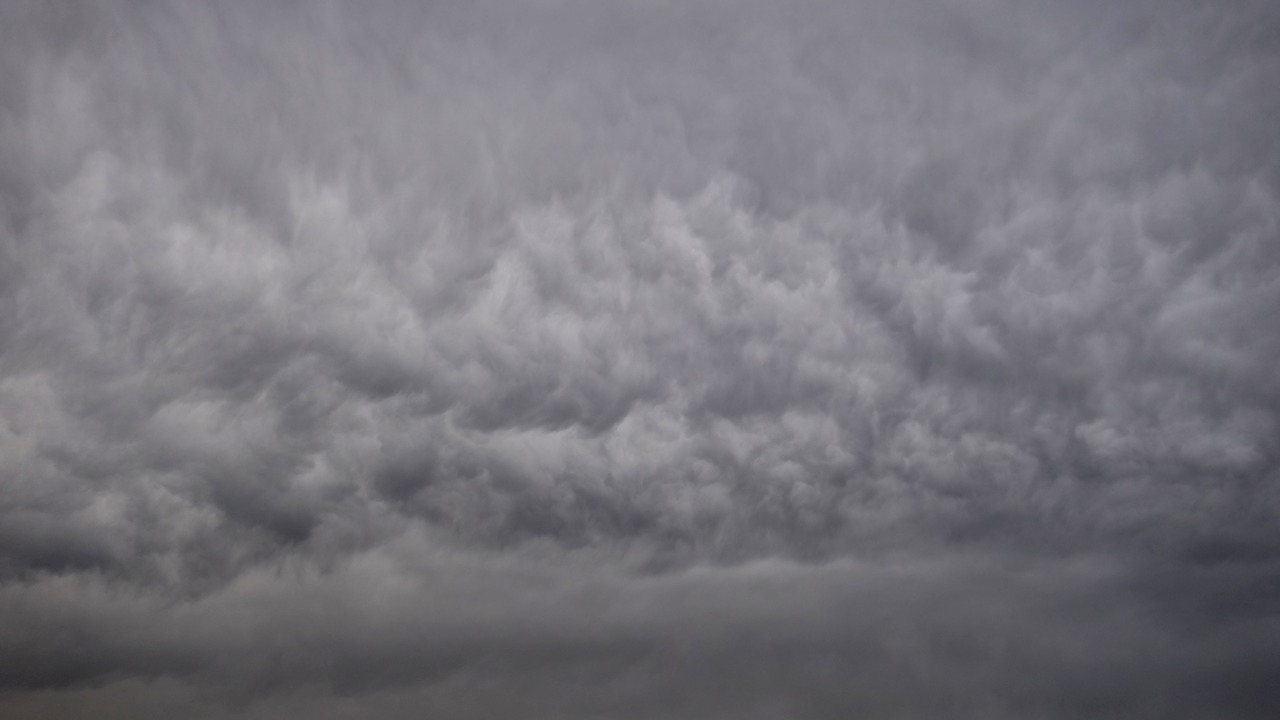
(640, 359)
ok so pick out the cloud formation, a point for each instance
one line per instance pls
(568, 359)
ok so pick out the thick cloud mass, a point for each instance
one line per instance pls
(640, 360)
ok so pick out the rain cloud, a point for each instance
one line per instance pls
(640, 359)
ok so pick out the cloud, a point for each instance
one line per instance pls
(880, 358)
(956, 634)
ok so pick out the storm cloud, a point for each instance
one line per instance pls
(640, 359)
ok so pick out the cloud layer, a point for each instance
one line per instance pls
(653, 359)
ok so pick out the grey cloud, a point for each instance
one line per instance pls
(952, 635)
(690, 348)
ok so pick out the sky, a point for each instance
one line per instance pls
(676, 360)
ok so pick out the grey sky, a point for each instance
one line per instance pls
(640, 359)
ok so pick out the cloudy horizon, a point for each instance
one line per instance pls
(568, 359)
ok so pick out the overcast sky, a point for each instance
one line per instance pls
(673, 360)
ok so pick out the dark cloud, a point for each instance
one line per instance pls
(565, 359)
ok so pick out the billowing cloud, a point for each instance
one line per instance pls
(567, 359)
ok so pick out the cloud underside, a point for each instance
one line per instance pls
(640, 360)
